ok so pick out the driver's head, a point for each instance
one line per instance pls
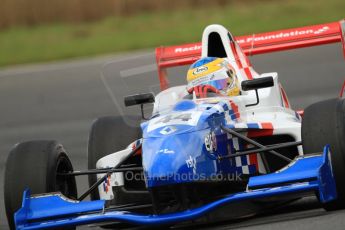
(216, 73)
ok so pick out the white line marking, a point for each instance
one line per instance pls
(138, 70)
(68, 64)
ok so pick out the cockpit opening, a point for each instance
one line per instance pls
(215, 46)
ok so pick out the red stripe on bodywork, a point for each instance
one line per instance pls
(237, 58)
(285, 99)
(234, 108)
(267, 130)
(253, 158)
(248, 73)
(240, 64)
(244, 59)
(267, 125)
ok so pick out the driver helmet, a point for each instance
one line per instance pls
(216, 73)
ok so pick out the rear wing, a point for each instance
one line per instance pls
(255, 44)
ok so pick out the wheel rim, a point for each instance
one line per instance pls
(65, 184)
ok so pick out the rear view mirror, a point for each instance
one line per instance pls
(139, 99)
(258, 83)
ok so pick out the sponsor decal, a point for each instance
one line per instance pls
(106, 184)
(279, 35)
(170, 120)
(200, 70)
(165, 151)
(186, 49)
(201, 80)
(211, 142)
(191, 163)
(168, 130)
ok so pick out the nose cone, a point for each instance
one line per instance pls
(174, 148)
(175, 158)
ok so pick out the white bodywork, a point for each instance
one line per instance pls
(116, 179)
(271, 107)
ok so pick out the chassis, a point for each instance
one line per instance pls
(279, 155)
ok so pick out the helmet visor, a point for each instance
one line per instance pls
(218, 84)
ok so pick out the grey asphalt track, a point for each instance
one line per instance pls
(60, 100)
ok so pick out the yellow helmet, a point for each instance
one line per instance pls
(215, 72)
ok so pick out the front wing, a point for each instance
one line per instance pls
(305, 174)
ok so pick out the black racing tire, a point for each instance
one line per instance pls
(324, 123)
(35, 165)
(108, 135)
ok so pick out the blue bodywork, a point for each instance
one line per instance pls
(174, 149)
(306, 174)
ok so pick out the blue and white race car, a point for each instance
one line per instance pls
(201, 155)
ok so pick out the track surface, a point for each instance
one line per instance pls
(60, 100)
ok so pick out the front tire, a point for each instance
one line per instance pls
(108, 135)
(35, 165)
(324, 123)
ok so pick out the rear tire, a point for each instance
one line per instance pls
(35, 165)
(108, 135)
(324, 123)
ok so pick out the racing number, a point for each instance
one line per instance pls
(182, 117)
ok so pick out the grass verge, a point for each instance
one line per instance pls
(117, 34)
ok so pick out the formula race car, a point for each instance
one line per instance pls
(200, 155)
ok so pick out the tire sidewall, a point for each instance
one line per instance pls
(32, 165)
